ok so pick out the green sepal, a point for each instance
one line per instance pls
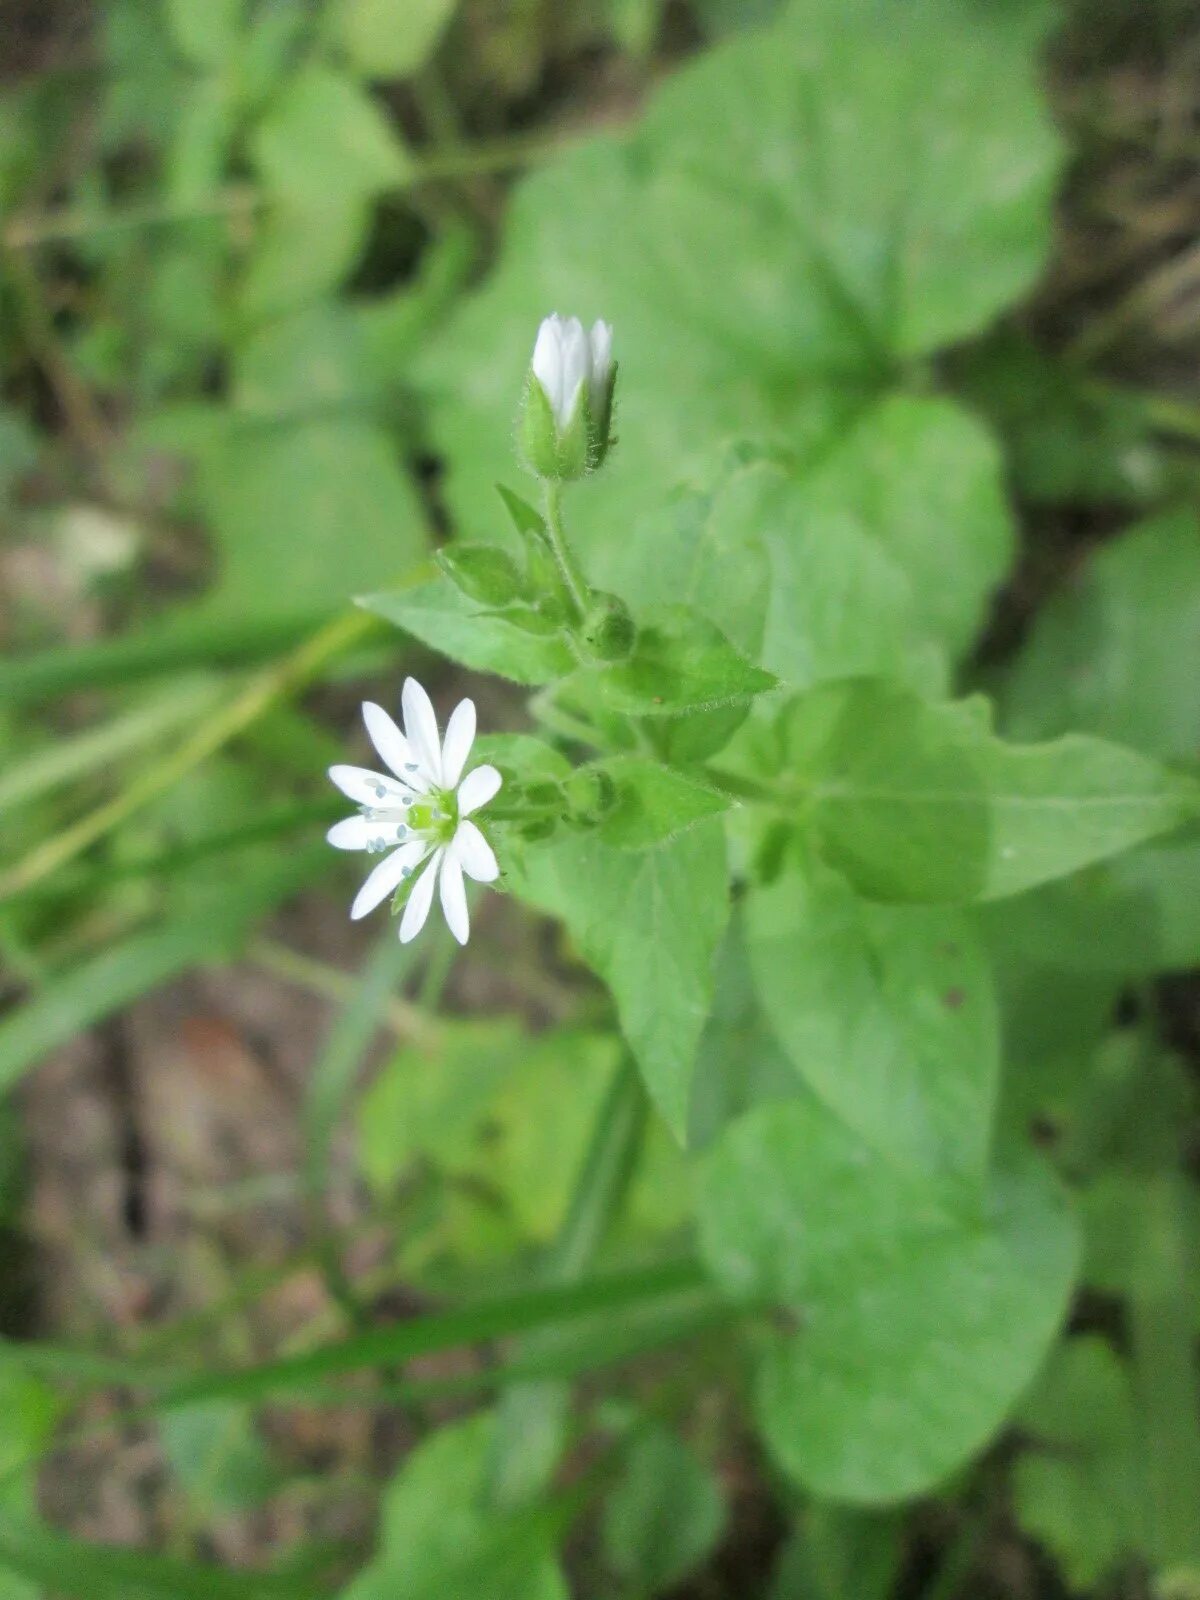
(482, 572)
(526, 519)
(608, 630)
(538, 432)
(575, 440)
(542, 574)
(589, 792)
(600, 441)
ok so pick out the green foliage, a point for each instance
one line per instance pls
(832, 270)
(649, 922)
(922, 802)
(910, 1319)
(1079, 1489)
(856, 940)
(885, 1013)
(388, 38)
(440, 1539)
(663, 1516)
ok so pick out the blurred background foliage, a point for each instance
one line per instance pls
(269, 271)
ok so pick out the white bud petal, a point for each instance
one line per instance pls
(548, 360)
(576, 366)
(601, 339)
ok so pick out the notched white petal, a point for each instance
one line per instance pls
(477, 788)
(363, 787)
(387, 878)
(354, 833)
(387, 739)
(419, 902)
(456, 747)
(476, 854)
(454, 898)
(420, 726)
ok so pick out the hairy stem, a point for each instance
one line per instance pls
(573, 580)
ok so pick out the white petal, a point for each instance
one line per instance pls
(576, 364)
(601, 339)
(476, 854)
(388, 740)
(363, 787)
(456, 747)
(547, 360)
(387, 877)
(419, 902)
(420, 725)
(454, 899)
(477, 788)
(356, 833)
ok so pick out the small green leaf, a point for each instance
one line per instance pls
(922, 802)
(665, 1514)
(388, 38)
(653, 803)
(525, 519)
(441, 616)
(281, 499)
(887, 1014)
(915, 1325)
(302, 249)
(218, 1457)
(439, 1540)
(325, 135)
(1079, 1488)
(1118, 652)
(482, 572)
(207, 32)
(681, 662)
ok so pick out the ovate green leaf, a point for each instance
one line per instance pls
(653, 803)
(887, 1014)
(663, 1516)
(649, 922)
(681, 662)
(324, 135)
(441, 616)
(388, 38)
(1117, 653)
(207, 32)
(922, 802)
(916, 1324)
(1079, 1487)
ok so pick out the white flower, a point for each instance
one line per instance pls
(565, 358)
(421, 813)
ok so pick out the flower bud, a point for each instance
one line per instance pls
(608, 630)
(564, 430)
(589, 793)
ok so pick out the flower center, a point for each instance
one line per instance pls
(431, 817)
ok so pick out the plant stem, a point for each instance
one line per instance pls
(573, 580)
